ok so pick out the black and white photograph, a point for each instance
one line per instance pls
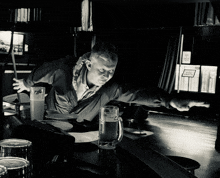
(110, 89)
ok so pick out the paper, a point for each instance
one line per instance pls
(186, 57)
(187, 77)
(208, 79)
(136, 134)
(60, 124)
(85, 137)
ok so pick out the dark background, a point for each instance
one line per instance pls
(140, 29)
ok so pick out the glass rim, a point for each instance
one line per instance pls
(37, 87)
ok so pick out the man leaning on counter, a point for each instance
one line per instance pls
(81, 89)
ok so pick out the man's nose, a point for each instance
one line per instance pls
(106, 74)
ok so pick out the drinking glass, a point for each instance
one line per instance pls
(37, 97)
(110, 127)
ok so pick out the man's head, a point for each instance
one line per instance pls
(101, 64)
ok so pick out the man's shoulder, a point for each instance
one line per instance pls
(68, 60)
(124, 86)
(66, 63)
(111, 85)
(62, 63)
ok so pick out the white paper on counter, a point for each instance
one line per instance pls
(59, 124)
(85, 137)
(134, 133)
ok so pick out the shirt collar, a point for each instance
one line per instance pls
(82, 89)
(83, 76)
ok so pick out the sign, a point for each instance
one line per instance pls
(189, 73)
(187, 78)
(186, 57)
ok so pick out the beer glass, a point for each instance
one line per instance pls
(37, 97)
(110, 127)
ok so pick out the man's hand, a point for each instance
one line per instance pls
(19, 85)
(186, 104)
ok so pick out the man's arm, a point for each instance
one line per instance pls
(19, 85)
(47, 73)
(42, 74)
(150, 96)
(153, 97)
(186, 104)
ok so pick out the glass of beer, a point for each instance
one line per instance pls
(110, 127)
(37, 97)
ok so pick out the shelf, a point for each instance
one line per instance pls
(39, 3)
(37, 26)
(40, 15)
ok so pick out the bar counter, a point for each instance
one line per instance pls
(56, 155)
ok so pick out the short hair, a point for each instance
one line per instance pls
(105, 49)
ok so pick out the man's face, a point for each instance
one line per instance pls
(100, 70)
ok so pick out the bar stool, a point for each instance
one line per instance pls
(187, 163)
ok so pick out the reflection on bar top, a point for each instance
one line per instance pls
(18, 71)
(19, 64)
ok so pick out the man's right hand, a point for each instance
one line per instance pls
(19, 85)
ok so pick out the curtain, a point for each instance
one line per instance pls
(167, 79)
(205, 14)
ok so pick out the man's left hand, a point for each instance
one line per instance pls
(186, 104)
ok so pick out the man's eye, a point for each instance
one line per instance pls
(101, 70)
(111, 71)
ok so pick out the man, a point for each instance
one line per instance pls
(78, 91)
(82, 89)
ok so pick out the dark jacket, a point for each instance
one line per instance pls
(62, 96)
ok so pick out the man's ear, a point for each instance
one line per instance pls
(88, 64)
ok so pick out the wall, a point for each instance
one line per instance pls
(48, 38)
(141, 53)
(141, 32)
